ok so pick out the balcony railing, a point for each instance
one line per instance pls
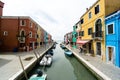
(98, 34)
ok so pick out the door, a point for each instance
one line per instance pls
(90, 47)
(98, 48)
(110, 54)
(33, 44)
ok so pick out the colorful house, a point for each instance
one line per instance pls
(18, 32)
(39, 36)
(113, 38)
(93, 26)
(1, 8)
(74, 36)
(68, 38)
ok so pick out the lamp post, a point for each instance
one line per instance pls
(22, 40)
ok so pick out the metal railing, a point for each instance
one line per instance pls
(98, 34)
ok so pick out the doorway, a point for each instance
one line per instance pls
(98, 48)
(110, 54)
(90, 47)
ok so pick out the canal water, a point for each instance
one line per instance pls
(66, 68)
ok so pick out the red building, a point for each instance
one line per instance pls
(68, 38)
(18, 33)
(1, 8)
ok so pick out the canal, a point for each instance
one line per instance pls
(66, 68)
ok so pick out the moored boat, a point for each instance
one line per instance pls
(46, 60)
(67, 52)
(39, 76)
(62, 46)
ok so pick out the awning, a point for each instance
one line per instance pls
(82, 41)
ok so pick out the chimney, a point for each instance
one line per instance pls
(1, 7)
(86, 9)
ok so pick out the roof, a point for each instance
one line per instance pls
(113, 14)
(90, 8)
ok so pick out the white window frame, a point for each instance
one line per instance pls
(107, 28)
(22, 24)
(30, 34)
(90, 15)
(5, 33)
(31, 24)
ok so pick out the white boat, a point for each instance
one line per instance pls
(46, 61)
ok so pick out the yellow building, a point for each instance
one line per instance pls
(93, 26)
(39, 33)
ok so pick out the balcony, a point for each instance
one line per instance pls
(97, 35)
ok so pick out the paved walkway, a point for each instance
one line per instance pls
(108, 69)
(10, 64)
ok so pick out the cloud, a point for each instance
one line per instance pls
(57, 17)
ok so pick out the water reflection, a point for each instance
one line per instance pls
(79, 70)
(65, 68)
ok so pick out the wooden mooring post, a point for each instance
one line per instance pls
(23, 68)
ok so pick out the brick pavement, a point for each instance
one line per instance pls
(10, 64)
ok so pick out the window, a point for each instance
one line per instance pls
(22, 22)
(31, 24)
(22, 33)
(76, 27)
(110, 29)
(37, 36)
(97, 9)
(90, 15)
(82, 21)
(36, 43)
(89, 31)
(30, 34)
(30, 44)
(40, 43)
(5, 33)
(81, 33)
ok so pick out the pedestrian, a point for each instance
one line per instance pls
(81, 50)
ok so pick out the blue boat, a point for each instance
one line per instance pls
(39, 76)
(62, 46)
(35, 77)
(67, 52)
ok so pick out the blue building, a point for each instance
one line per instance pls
(113, 38)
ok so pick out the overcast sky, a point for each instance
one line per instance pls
(57, 17)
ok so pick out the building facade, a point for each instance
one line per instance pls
(68, 38)
(93, 26)
(18, 33)
(1, 12)
(113, 38)
(1, 8)
(39, 36)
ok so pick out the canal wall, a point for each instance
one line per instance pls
(20, 74)
(90, 67)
